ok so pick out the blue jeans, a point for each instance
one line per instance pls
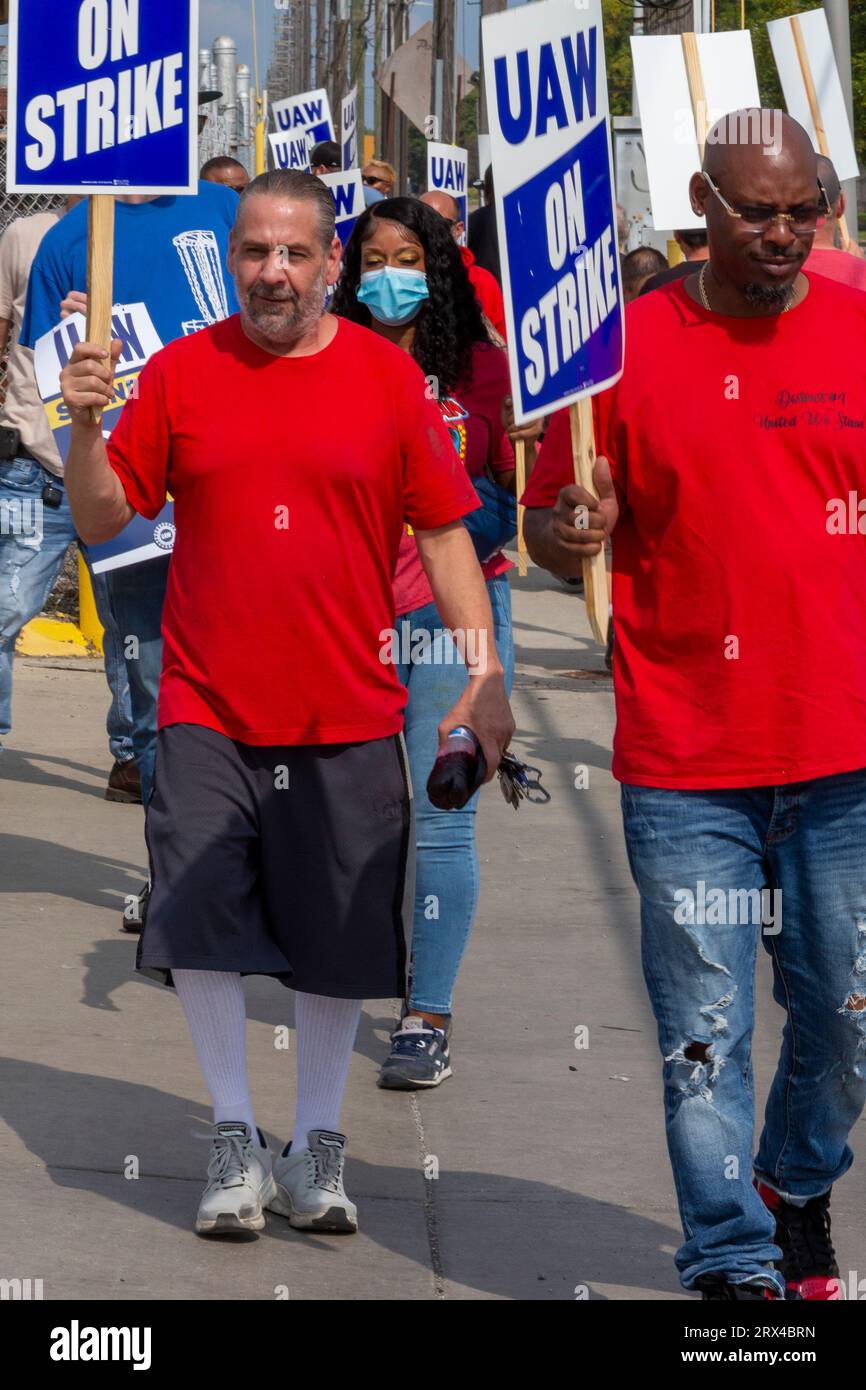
(31, 555)
(135, 595)
(446, 873)
(787, 863)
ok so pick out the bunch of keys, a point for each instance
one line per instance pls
(519, 782)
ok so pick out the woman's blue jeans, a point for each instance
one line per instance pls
(716, 870)
(446, 881)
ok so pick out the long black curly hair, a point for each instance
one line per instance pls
(450, 321)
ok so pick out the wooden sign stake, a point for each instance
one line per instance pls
(814, 109)
(100, 273)
(520, 484)
(595, 589)
(696, 88)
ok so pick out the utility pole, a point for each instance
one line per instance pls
(839, 24)
(442, 92)
(321, 44)
(356, 69)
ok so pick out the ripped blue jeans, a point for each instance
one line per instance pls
(716, 870)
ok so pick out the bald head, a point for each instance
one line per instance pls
(745, 138)
(758, 164)
(444, 205)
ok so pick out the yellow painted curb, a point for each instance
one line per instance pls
(52, 637)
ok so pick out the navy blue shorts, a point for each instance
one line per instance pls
(295, 862)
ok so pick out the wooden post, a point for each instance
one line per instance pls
(100, 273)
(814, 109)
(519, 486)
(696, 88)
(595, 589)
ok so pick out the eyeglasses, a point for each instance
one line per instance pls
(757, 218)
(372, 179)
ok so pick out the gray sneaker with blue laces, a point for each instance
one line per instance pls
(419, 1057)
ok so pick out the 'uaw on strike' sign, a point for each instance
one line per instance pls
(132, 324)
(103, 96)
(553, 175)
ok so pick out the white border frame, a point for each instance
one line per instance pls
(119, 190)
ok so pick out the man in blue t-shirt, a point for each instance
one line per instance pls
(170, 254)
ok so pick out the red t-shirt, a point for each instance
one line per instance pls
(473, 416)
(291, 478)
(740, 617)
(487, 291)
(838, 265)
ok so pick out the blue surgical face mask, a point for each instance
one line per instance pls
(393, 295)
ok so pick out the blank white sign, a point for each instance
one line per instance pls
(669, 136)
(825, 77)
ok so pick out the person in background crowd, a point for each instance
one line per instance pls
(229, 172)
(622, 228)
(693, 245)
(403, 278)
(380, 176)
(31, 478)
(846, 265)
(486, 288)
(637, 267)
(743, 766)
(170, 254)
(482, 233)
(326, 158)
(280, 825)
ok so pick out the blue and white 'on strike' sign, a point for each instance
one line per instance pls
(347, 191)
(349, 129)
(446, 173)
(103, 96)
(556, 212)
(309, 113)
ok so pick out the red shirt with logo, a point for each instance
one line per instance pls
(292, 479)
(474, 420)
(739, 566)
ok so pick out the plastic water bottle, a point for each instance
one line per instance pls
(458, 771)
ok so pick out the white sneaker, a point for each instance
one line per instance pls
(309, 1185)
(241, 1182)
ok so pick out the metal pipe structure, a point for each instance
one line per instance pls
(225, 60)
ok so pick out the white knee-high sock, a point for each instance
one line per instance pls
(215, 1008)
(325, 1029)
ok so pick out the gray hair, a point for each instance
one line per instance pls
(293, 185)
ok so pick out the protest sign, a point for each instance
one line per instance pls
(309, 112)
(132, 324)
(553, 173)
(349, 129)
(347, 191)
(813, 93)
(291, 151)
(685, 82)
(103, 96)
(447, 172)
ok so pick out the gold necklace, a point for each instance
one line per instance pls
(706, 303)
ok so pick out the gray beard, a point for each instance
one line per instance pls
(294, 319)
(768, 296)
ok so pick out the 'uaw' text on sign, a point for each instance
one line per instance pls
(556, 210)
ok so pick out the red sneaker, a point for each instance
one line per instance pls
(808, 1259)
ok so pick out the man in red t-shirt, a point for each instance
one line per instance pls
(280, 828)
(847, 265)
(733, 454)
(485, 285)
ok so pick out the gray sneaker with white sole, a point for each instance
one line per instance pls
(309, 1185)
(241, 1182)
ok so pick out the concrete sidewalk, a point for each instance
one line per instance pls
(553, 1179)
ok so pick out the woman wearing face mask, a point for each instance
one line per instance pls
(403, 278)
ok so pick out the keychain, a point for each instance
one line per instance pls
(517, 785)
